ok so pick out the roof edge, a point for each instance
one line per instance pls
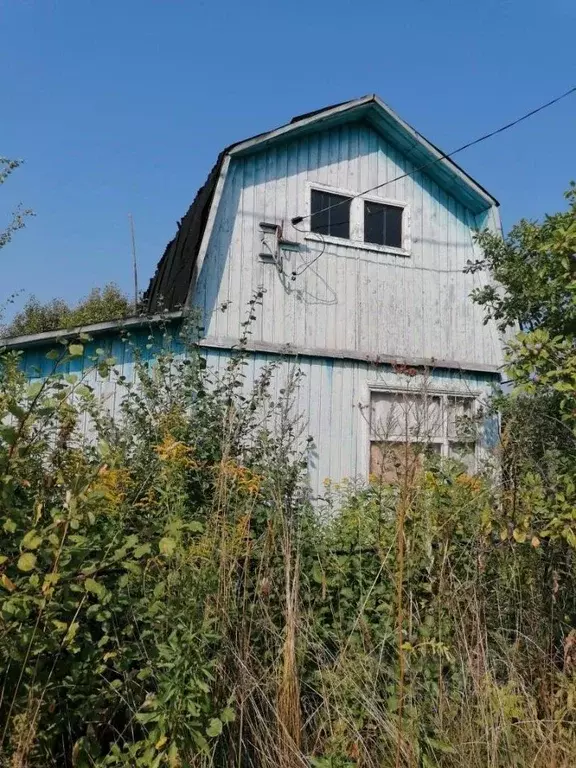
(33, 339)
(309, 118)
(442, 157)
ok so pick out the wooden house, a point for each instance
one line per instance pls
(358, 230)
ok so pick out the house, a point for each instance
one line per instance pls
(358, 229)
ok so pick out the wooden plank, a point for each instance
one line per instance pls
(291, 350)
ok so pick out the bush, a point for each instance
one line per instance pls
(101, 304)
(168, 596)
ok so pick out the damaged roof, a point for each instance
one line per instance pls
(170, 287)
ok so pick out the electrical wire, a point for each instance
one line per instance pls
(569, 92)
(308, 264)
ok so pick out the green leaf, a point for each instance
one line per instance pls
(72, 631)
(31, 540)
(143, 549)
(440, 746)
(34, 389)
(90, 585)
(60, 626)
(9, 526)
(215, 727)
(228, 715)
(201, 742)
(570, 537)
(26, 561)
(8, 434)
(519, 535)
(76, 350)
(167, 546)
(7, 583)
(317, 573)
(17, 411)
(3, 559)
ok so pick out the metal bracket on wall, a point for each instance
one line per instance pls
(274, 249)
(269, 240)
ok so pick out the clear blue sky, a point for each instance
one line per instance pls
(122, 106)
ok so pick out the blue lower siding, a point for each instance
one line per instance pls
(331, 397)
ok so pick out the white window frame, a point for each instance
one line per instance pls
(357, 220)
(444, 441)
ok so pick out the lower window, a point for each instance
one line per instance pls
(407, 426)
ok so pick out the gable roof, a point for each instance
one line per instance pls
(170, 286)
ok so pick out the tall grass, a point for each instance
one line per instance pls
(170, 597)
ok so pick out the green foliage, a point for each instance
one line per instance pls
(168, 597)
(143, 590)
(18, 219)
(101, 304)
(535, 266)
(118, 557)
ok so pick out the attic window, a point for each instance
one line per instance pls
(344, 217)
(330, 214)
(383, 224)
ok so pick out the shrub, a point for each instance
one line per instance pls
(101, 304)
(168, 596)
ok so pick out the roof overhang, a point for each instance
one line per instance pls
(372, 110)
(95, 329)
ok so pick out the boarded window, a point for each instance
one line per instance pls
(383, 224)
(330, 214)
(407, 426)
(391, 462)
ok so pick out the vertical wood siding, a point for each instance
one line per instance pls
(350, 298)
(331, 399)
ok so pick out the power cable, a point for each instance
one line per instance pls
(298, 219)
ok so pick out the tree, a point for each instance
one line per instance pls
(19, 216)
(101, 304)
(535, 265)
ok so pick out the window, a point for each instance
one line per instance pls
(405, 426)
(372, 224)
(383, 224)
(330, 214)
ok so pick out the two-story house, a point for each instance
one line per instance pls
(359, 230)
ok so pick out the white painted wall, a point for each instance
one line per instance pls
(351, 299)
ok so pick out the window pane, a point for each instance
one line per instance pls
(319, 219)
(394, 226)
(383, 224)
(461, 423)
(374, 223)
(406, 415)
(330, 214)
(340, 217)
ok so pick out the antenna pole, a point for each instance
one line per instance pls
(134, 262)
